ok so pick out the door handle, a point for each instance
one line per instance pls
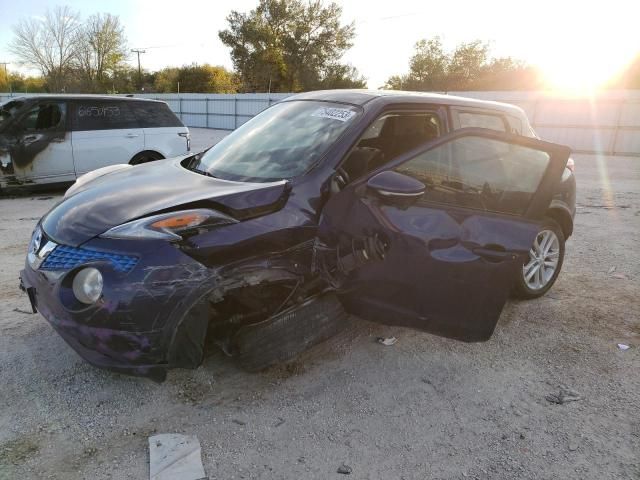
(493, 254)
(132, 135)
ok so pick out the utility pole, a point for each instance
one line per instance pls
(6, 75)
(139, 51)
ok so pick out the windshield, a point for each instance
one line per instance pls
(282, 142)
(8, 110)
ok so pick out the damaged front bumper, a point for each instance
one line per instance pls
(131, 329)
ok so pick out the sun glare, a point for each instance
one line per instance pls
(585, 63)
(581, 75)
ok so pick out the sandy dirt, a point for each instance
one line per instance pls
(426, 407)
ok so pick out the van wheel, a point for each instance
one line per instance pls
(144, 157)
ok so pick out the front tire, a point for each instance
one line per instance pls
(542, 267)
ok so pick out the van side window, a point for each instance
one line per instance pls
(46, 116)
(482, 120)
(102, 115)
(155, 115)
(389, 137)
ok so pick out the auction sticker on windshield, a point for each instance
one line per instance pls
(342, 114)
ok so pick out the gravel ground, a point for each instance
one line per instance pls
(426, 407)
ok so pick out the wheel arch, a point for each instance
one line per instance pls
(146, 152)
(563, 217)
(187, 343)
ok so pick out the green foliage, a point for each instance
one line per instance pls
(468, 67)
(196, 79)
(17, 82)
(289, 45)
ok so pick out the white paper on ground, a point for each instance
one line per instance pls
(175, 457)
(622, 346)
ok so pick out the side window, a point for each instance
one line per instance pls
(155, 115)
(46, 116)
(480, 173)
(102, 115)
(482, 120)
(388, 137)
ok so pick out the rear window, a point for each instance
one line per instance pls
(155, 115)
(102, 115)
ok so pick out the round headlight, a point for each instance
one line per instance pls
(87, 285)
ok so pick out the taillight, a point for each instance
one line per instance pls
(571, 165)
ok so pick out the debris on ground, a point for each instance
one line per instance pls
(564, 395)
(175, 457)
(612, 269)
(623, 346)
(345, 469)
(620, 276)
(388, 341)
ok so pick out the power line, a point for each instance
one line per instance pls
(139, 51)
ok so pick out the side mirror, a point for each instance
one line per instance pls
(396, 187)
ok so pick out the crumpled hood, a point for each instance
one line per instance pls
(139, 191)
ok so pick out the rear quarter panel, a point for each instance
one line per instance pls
(166, 140)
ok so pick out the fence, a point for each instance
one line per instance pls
(608, 123)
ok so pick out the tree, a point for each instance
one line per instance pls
(468, 67)
(4, 80)
(197, 79)
(288, 45)
(340, 76)
(508, 74)
(101, 50)
(429, 64)
(466, 64)
(48, 44)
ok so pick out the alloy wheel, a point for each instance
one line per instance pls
(543, 260)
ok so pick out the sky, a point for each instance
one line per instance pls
(578, 44)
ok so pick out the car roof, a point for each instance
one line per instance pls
(393, 97)
(79, 96)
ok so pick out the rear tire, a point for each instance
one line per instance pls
(542, 267)
(145, 157)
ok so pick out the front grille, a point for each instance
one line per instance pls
(64, 257)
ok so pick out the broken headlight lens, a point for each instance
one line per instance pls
(87, 285)
(169, 226)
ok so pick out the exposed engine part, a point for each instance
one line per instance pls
(335, 264)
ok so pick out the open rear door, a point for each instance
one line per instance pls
(441, 258)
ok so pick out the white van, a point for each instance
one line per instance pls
(56, 138)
